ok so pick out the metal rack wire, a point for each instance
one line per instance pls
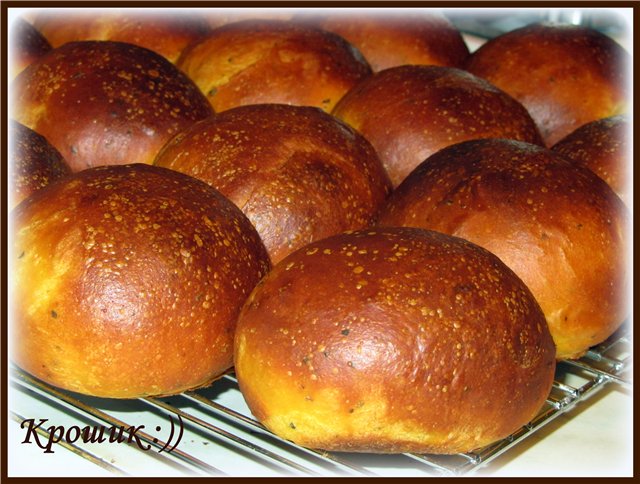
(218, 416)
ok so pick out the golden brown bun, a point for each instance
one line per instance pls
(565, 75)
(394, 39)
(298, 173)
(165, 33)
(33, 163)
(603, 147)
(271, 61)
(106, 103)
(393, 340)
(557, 225)
(410, 112)
(27, 45)
(128, 281)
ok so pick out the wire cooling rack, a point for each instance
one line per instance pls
(211, 431)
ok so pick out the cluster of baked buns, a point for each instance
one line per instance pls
(391, 239)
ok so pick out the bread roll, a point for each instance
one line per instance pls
(106, 103)
(33, 163)
(271, 61)
(565, 75)
(557, 225)
(410, 112)
(393, 340)
(128, 280)
(27, 45)
(602, 146)
(390, 39)
(298, 173)
(166, 33)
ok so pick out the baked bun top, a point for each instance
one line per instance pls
(557, 225)
(392, 39)
(128, 281)
(272, 61)
(165, 33)
(410, 112)
(604, 147)
(393, 340)
(298, 173)
(33, 162)
(27, 45)
(106, 103)
(565, 75)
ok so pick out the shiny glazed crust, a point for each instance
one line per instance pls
(392, 39)
(393, 340)
(602, 146)
(558, 226)
(271, 61)
(410, 112)
(34, 163)
(106, 103)
(565, 75)
(165, 34)
(128, 281)
(27, 45)
(298, 173)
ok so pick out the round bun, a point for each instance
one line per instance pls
(128, 281)
(27, 45)
(603, 147)
(33, 161)
(165, 34)
(557, 225)
(106, 103)
(271, 61)
(565, 75)
(298, 173)
(410, 112)
(393, 340)
(392, 39)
